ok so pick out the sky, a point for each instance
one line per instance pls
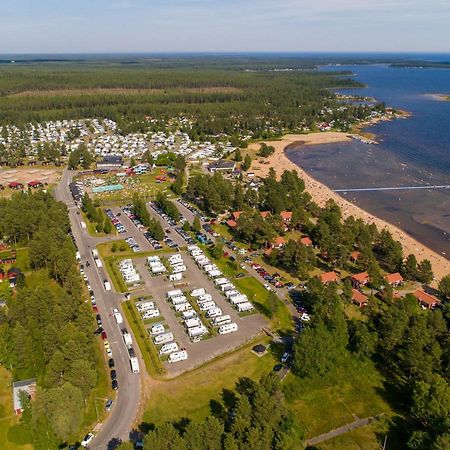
(95, 26)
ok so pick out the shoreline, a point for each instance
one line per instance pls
(439, 97)
(320, 193)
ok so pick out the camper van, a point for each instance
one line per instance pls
(197, 331)
(228, 328)
(176, 276)
(198, 292)
(221, 320)
(134, 365)
(178, 356)
(189, 314)
(246, 306)
(207, 305)
(163, 338)
(157, 329)
(150, 314)
(213, 312)
(168, 348)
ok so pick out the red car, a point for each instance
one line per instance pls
(95, 308)
(104, 335)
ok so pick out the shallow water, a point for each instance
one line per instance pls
(412, 152)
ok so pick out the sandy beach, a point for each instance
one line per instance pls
(321, 193)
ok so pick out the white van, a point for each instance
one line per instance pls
(168, 348)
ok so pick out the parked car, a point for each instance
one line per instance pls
(113, 374)
(108, 405)
(111, 363)
(87, 439)
(115, 385)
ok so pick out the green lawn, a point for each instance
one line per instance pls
(189, 395)
(323, 404)
(365, 438)
(7, 417)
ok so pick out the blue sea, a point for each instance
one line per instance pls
(413, 151)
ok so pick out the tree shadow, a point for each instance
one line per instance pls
(217, 409)
(229, 399)
(181, 424)
(113, 443)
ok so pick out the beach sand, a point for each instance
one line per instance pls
(321, 193)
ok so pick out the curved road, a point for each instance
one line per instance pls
(119, 422)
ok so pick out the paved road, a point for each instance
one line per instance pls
(119, 422)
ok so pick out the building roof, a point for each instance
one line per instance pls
(286, 215)
(112, 159)
(329, 277)
(362, 277)
(236, 214)
(222, 165)
(427, 299)
(306, 240)
(264, 214)
(28, 386)
(359, 297)
(231, 223)
(259, 348)
(279, 240)
(393, 278)
(355, 255)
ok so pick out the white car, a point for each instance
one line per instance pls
(305, 317)
(87, 439)
(266, 286)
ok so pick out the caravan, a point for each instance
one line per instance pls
(222, 320)
(168, 348)
(163, 338)
(213, 312)
(228, 328)
(178, 356)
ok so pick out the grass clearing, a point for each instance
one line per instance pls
(190, 394)
(323, 404)
(151, 358)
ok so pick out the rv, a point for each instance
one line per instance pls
(246, 306)
(228, 328)
(145, 306)
(150, 314)
(168, 348)
(95, 253)
(176, 276)
(178, 356)
(207, 305)
(241, 298)
(134, 365)
(194, 322)
(127, 338)
(182, 307)
(98, 262)
(214, 273)
(118, 316)
(157, 329)
(107, 285)
(189, 314)
(178, 269)
(179, 300)
(198, 292)
(231, 293)
(163, 338)
(197, 331)
(222, 320)
(220, 281)
(204, 298)
(175, 293)
(213, 312)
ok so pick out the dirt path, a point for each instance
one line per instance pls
(341, 430)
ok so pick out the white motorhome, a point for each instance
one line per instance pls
(228, 328)
(198, 292)
(174, 293)
(157, 329)
(213, 312)
(231, 293)
(134, 364)
(197, 331)
(176, 276)
(222, 320)
(227, 287)
(241, 298)
(168, 348)
(204, 298)
(178, 356)
(107, 285)
(98, 262)
(207, 305)
(127, 339)
(182, 307)
(246, 306)
(194, 322)
(220, 281)
(150, 314)
(141, 307)
(178, 269)
(189, 314)
(95, 253)
(214, 273)
(179, 300)
(118, 316)
(163, 338)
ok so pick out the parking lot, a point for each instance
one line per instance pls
(204, 350)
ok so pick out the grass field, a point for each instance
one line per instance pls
(189, 395)
(7, 417)
(365, 438)
(323, 404)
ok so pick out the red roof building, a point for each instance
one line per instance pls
(35, 184)
(354, 256)
(264, 214)
(394, 279)
(15, 185)
(425, 300)
(286, 216)
(329, 277)
(231, 223)
(236, 214)
(359, 299)
(278, 242)
(360, 279)
(306, 241)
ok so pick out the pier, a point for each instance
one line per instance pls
(398, 188)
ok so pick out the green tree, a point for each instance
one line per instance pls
(247, 163)
(425, 271)
(237, 155)
(444, 286)
(196, 226)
